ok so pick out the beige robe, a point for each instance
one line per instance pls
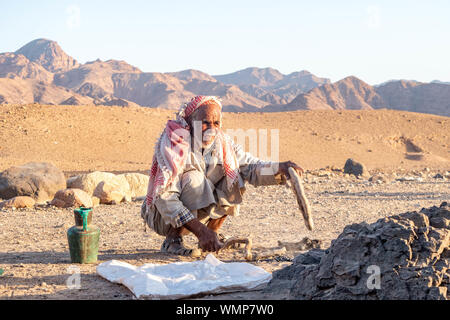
(200, 191)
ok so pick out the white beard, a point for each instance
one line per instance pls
(209, 135)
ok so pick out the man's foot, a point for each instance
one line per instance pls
(175, 246)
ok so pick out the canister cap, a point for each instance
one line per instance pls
(83, 212)
(82, 209)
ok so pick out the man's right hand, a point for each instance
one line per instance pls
(208, 241)
(207, 238)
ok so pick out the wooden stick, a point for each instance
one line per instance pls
(268, 253)
(248, 245)
(303, 202)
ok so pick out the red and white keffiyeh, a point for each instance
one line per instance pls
(172, 150)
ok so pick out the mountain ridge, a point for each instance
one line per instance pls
(351, 93)
(40, 71)
(100, 82)
(48, 54)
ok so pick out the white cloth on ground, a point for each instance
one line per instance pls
(184, 279)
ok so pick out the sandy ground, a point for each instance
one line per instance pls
(80, 138)
(33, 245)
(34, 250)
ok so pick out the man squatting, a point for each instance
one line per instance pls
(195, 183)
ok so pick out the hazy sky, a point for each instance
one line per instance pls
(373, 40)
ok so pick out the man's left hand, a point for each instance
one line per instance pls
(284, 168)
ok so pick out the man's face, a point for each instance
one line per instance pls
(209, 116)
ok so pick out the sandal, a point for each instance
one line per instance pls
(175, 246)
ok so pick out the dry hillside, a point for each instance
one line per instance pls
(41, 72)
(352, 93)
(278, 88)
(87, 138)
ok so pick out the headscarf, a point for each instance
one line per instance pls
(172, 150)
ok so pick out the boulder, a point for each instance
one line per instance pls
(89, 181)
(58, 203)
(107, 187)
(405, 256)
(70, 181)
(72, 198)
(355, 168)
(18, 202)
(95, 201)
(113, 191)
(39, 180)
(138, 183)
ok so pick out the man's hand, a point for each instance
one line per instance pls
(207, 238)
(283, 168)
(208, 241)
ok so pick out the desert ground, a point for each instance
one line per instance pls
(405, 150)
(87, 138)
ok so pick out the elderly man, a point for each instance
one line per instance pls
(197, 178)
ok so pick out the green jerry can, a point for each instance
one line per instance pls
(83, 237)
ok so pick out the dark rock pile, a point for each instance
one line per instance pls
(405, 256)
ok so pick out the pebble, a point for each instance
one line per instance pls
(419, 179)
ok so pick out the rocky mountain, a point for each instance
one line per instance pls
(348, 93)
(261, 77)
(272, 86)
(438, 81)
(168, 91)
(415, 96)
(191, 74)
(18, 66)
(24, 91)
(296, 83)
(396, 80)
(42, 72)
(94, 78)
(353, 93)
(48, 54)
(262, 94)
(163, 90)
(44, 63)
